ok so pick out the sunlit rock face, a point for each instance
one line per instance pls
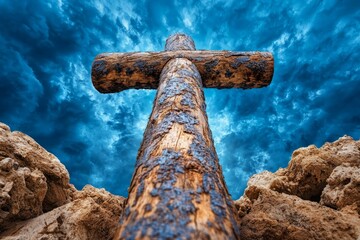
(32, 180)
(93, 214)
(38, 202)
(315, 197)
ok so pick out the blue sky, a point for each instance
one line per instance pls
(47, 47)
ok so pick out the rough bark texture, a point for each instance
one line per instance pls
(178, 189)
(276, 205)
(179, 41)
(115, 72)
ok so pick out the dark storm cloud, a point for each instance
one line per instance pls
(47, 49)
(46, 53)
(313, 97)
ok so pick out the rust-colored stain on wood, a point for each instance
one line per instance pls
(178, 189)
(114, 72)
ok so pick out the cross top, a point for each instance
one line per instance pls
(179, 41)
(114, 72)
(178, 189)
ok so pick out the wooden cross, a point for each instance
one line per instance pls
(178, 189)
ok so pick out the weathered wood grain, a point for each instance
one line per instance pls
(178, 189)
(179, 41)
(114, 72)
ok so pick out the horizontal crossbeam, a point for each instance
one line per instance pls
(114, 72)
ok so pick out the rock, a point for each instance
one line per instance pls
(32, 180)
(275, 215)
(310, 167)
(93, 214)
(343, 189)
(22, 193)
(108, 201)
(37, 201)
(276, 205)
(4, 127)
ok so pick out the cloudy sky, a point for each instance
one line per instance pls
(47, 47)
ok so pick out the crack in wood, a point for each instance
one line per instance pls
(178, 189)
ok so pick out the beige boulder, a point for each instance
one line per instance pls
(315, 197)
(274, 215)
(277, 205)
(32, 180)
(37, 201)
(93, 214)
(310, 167)
(342, 191)
(22, 192)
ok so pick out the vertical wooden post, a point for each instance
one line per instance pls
(178, 190)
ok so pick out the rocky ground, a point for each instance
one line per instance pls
(316, 197)
(38, 202)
